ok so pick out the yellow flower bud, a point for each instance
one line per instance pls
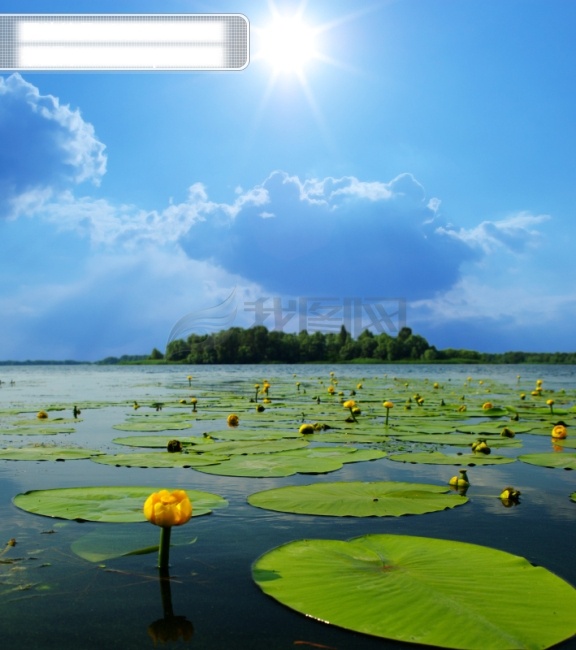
(167, 509)
(306, 428)
(233, 420)
(559, 431)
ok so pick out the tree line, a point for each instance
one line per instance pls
(257, 344)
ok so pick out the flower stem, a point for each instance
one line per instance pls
(166, 592)
(387, 415)
(164, 549)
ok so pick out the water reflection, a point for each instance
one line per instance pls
(170, 627)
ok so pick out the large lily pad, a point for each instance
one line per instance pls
(358, 499)
(153, 425)
(563, 460)
(47, 453)
(105, 504)
(36, 431)
(249, 447)
(461, 439)
(313, 460)
(421, 590)
(438, 458)
(154, 442)
(494, 427)
(272, 465)
(157, 459)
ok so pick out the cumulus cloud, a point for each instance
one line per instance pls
(45, 145)
(333, 237)
(516, 232)
(328, 237)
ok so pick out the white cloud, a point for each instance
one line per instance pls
(516, 232)
(45, 145)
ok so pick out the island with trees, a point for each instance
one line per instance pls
(257, 344)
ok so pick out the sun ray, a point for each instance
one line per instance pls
(292, 48)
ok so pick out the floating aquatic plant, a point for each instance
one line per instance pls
(421, 590)
(167, 509)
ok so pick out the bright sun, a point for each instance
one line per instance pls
(288, 44)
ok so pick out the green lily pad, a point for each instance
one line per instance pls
(102, 544)
(157, 459)
(566, 442)
(105, 504)
(47, 453)
(249, 447)
(341, 436)
(273, 465)
(421, 590)
(154, 442)
(494, 428)
(438, 458)
(425, 428)
(461, 439)
(358, 499)
(562, 460)
(310, 460)
(250, 434)
(36, 431)
(153, 425)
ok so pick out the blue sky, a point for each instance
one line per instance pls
(426, 153)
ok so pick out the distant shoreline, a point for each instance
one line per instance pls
(399, 362)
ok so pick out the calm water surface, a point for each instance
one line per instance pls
(54, 599)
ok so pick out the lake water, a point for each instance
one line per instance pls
(52, 598)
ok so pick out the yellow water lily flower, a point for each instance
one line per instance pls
(349, 404)
(559, 431)
(306, 429)
(233, 420)
(168, 509)
(481, 446)
(510, 494)
(487, 406)
(460, 481)
(388, 405)
(42, 415)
